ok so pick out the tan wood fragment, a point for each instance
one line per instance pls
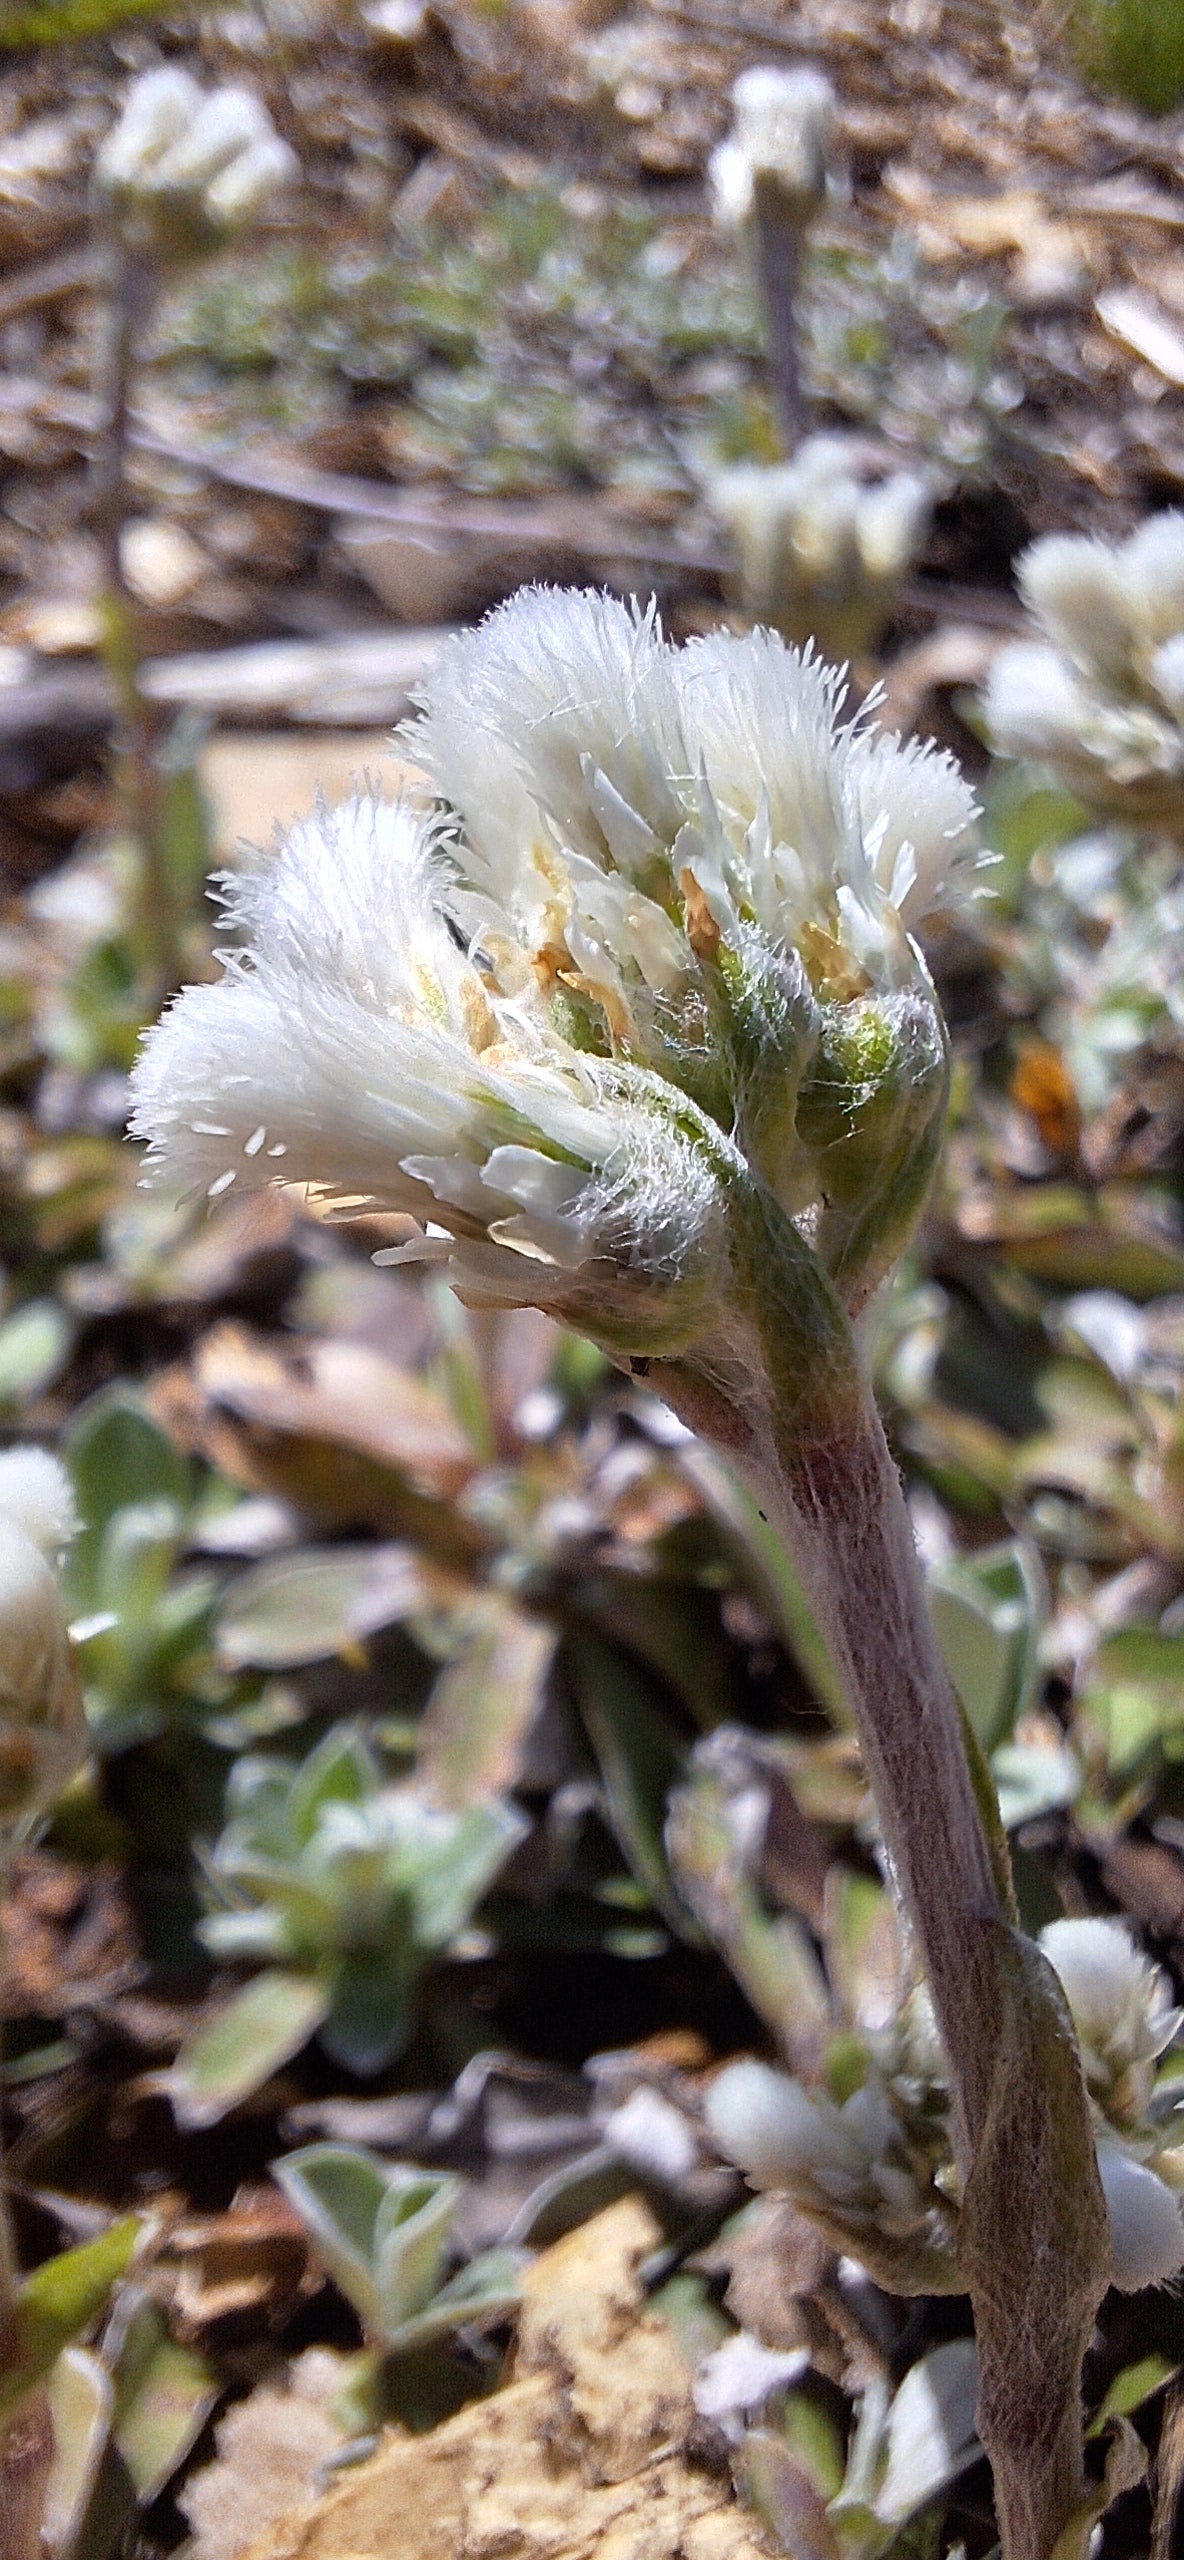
(588, 2450)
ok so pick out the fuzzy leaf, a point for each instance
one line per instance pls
(80, 2402)
(258, 2030)
(58, 2301)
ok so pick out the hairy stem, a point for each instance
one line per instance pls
(26, 2460)
(134, 294)
(1034, 2221)
(27, 2440)
(780, 230)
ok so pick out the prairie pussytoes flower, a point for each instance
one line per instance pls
(1121, 2005)
(185, 167)
(820, 551)
(780, 131)
(849, 2165)
(653, 938)
(43, 1733)
(1101, 700)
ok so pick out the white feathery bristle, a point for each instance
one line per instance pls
(499, 1016)
(158, 111)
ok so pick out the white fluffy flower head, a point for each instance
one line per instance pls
(1122, 2008)
(820, 550)
(657, 919)
(43, 1736)
(1101, 699)
(185, 167)
(780, 135)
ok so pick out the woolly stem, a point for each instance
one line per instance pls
(26, 2460)
(1034, 2220)
(780, 231)
(135, 291)
(27, 2440)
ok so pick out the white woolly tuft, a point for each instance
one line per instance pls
(1146, 2228)
(354, 1047)
(505, 1018)
(781, 130)
(765, 2122)
(1103, 706)
(1101, 1971)
(37, 1497)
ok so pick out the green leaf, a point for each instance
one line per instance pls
(80, 2402)
(771, 1954)
(639, 1763)
(989, 1610)
(341, 1770)
(59, 2300)
(371, 2012)
(483, 1706)
(488, 2289)
(116, 1454)
(446, 1877)
(1131, 2387)
(164, 2393)
(317, 1602)
(255, 2034)
(35, 1343)
(381, 2230)
(1133, 1695)
(929, 2435)
(788, 2502)
(1032, 1779)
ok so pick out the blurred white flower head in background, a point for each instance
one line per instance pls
(1101, 699)
(781, 129)
(43, 1732)
(185, 167)
(549, 1015)
(821, 550)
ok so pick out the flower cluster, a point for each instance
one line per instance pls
(876, 2170)
(651, 935)
(779, 138)
(186, 167)
(849, 2164)
(43, 1733)
(821, 551)
(1101, 700)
